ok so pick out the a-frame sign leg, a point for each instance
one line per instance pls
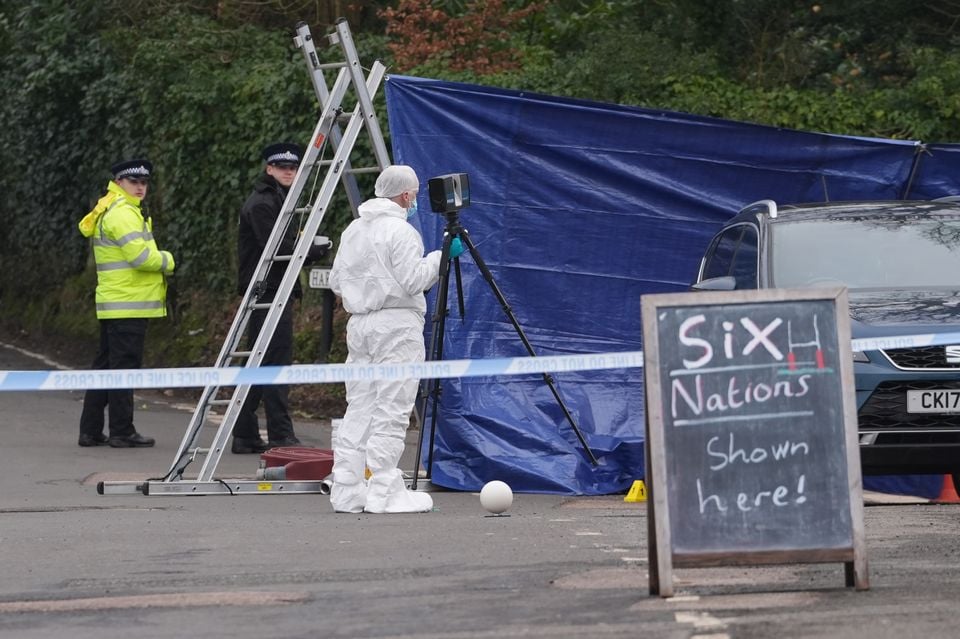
(660, 573)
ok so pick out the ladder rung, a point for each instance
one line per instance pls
(261, 305)
(282, 258)
(218, 402)
(331, 65)
(244, 353)
(366, 169)
(302, 209)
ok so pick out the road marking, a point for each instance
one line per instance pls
(173, 600)
(43, 358)
(700, 620)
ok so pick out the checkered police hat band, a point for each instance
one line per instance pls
(134, 171)
(286, 156)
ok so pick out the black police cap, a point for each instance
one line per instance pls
(283, 154)
(138, 168)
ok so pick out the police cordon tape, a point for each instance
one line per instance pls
(336, 373)
(309, 373)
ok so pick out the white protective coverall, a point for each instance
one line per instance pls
(380, 273)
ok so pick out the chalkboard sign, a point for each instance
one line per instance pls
(751, 431)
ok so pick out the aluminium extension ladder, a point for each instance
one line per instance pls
(338, 168)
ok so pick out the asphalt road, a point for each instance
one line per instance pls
(77, 564)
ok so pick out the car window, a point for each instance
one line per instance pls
(898, 252)
(734, 253)
(721, 252)
(744, 268)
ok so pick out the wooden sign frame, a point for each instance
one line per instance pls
(663, 556)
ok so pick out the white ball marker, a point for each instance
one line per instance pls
(496, 497)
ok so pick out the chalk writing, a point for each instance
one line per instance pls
(778, 497)
(734, 453)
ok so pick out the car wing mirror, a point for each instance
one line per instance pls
(725, 283)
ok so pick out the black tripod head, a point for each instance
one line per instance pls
(453, 227)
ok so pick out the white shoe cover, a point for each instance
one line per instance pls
(349, 498)
(406, 501)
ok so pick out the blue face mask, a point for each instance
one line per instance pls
(412, 210)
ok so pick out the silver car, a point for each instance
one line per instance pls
(900, 261)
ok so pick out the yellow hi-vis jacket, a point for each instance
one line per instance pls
(130, 267)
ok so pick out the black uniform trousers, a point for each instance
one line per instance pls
(274, 397)
(121, 346)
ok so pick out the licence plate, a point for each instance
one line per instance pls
(319, 278)
(933, 401)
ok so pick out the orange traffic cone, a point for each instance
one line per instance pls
(948, 494)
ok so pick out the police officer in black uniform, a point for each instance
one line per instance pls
(257, 219)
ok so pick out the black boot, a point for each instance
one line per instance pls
(244, 446)
(287, 440)
(92, 440)
(136, 440)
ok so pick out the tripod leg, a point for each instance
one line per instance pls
(431, 387)
(456, 271)
(488, 276)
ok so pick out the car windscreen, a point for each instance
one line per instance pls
(899, 252)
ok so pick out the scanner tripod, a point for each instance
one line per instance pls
(430, 388)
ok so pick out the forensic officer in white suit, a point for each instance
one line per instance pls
(381, 273)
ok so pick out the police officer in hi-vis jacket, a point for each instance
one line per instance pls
(131, 288)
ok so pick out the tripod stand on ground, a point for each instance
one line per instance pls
(430, 388)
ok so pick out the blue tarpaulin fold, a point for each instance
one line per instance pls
(578, 208)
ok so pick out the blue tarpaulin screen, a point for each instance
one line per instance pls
(577, 209)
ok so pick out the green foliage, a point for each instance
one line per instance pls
(186, 92)
(47, 141)
(210, 108)
(92, 82)
(840, 68)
